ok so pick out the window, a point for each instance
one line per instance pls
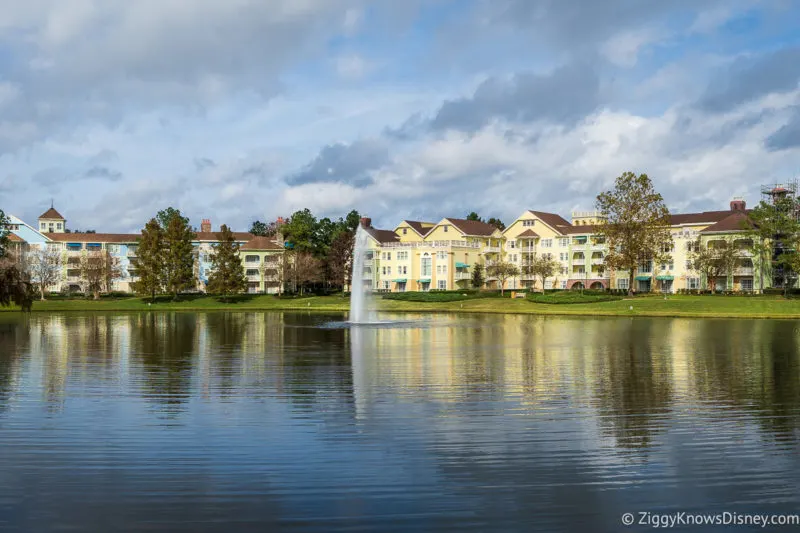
(693, 283)
(113, 248)
(563, 243)
(252, 259)
(564, 284)
(442, 285)
(528, 223)
(402, 256)
(386, 285)
(59, 225)
(427, 269)
(563, 256)
(691, 246)
(548, 284)
(512, 244)
(564, 271)
(513, 258)
(547, 256)
(646, 267)
(689, 265)
(252, 272)
(547, 243)
(747, 284)
(405, 231)
(441, 256)
(668, 247)
(622, 283)
(405, 270)
(389, 270)
(383, 271)
(445, 228)
(42, 225)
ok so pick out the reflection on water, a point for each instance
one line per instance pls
(264, 421)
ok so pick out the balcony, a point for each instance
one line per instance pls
(579, 261)
(491, 249)
(463, 275)
(598, 260)
(254, 277)
(743, 271)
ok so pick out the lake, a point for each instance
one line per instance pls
(234, 422)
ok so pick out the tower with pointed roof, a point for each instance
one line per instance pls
(51, 221)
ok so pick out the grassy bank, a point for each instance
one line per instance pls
(674, 306)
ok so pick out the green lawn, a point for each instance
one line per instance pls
(678, 306)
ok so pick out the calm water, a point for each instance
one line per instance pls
(267, 421)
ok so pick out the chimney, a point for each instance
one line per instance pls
(280, 221)
(738, 204)
(205, 226)
(366, 222)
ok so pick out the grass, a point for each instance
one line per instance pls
(439, 296)
(768, 306)
(571, 297)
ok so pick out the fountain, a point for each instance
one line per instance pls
(359, 297)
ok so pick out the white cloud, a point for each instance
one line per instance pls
(351, 66)
(623, 49)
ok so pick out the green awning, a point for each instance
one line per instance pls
(399, 280)
(461, 265)
(643, 278)
(665, 278)
(423, 281)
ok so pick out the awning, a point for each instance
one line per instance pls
(665, 278)
(643, 278)
(399, 280)
(423, 281)
(461, 265)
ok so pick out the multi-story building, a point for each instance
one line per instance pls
(260, 255)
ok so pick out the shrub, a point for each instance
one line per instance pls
(573, 297)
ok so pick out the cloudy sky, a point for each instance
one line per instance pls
(419, 109)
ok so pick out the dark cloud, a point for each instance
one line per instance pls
(788, 136)
(750, 78)
(344, 163)
(564, 96)
(202, 163)
(104, 173)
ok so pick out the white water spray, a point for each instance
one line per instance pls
(360, 295)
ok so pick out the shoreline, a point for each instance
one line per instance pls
(676, 306)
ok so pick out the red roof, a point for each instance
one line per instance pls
(15, 238)
(528, 233)
(94, 237)
(580, 230)
(52, 214)
(706, 217)
(382, 235)
(420, 227)
(557, 222)
(473, 227)
(213, 236)
(733, 222)
(261, 243)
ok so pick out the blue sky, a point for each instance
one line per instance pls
(423, 109)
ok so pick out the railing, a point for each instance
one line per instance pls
(578, 247)
(366, 275)
(743, 271)
(579, 261)
(598, 260)
(432, 244)
(491, 249)
(463, 275)
(254, 277)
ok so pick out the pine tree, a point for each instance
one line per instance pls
(477, 276)
(178, 271)
(150, 260)
(228, 275)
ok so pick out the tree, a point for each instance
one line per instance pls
(165, 216)
(178, 257)
(497, 223)
(478, 279)
(15, 284)
(228, 275)
(502, 271)
(92, 273)
(340, 258)
(112, 271)
(45, 267)
(474, 216)
(300, 230)
(635, 222)
(541, 267)
(264, 229)
(306, 269)
(150, 261)
(272, 271)
(714, 261)
(774, 226)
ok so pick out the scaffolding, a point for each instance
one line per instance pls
(773, 194)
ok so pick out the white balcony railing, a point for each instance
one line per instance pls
(579, 261)
(597, 260)
(491, 249)
(578, 247)
(743, 271)
(432, 244)
(254, 277)
(463, 275)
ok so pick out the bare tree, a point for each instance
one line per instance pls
(112, 271)
(306, 269)
(92, 273)
(45, 266)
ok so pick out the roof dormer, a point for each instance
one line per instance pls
(51, 221)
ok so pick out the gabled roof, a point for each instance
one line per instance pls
(473, 227)
(580, 230)
(528, 233)
(94, 237)
(734, 222)
(382, 235)
(557, 222)
(261, 244)
(423, 228)
(15, 238)
(707, 217)
(51, 214)
(213, 236)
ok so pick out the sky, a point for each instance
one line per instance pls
(422, 109)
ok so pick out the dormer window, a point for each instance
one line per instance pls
(445, 229)
(405, 231)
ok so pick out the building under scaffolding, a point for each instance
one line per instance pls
(777, 195)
